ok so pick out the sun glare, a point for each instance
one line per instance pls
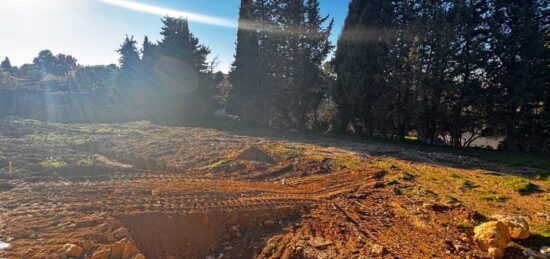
(162, 11)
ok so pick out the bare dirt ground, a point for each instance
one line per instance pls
(205, 193)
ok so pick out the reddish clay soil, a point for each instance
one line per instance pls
(162, 189)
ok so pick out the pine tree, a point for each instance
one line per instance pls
(148, 52)
(6, 65)
(179, 43)
(245, 73)
(127, 77)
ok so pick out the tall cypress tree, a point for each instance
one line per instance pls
(519, 72)
(179, 43)
(360, 62)
(314, 48)
(245, 72)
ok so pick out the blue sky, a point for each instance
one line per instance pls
(91, 30)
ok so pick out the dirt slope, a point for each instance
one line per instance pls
(203, 193)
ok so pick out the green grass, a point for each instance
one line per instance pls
(465, 227)
(217, 165)
(347, 162)
(86, 161)
(52, 163)
(533, 160)
(493, 197)
(519, 185)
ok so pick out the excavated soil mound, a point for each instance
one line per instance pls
(254, 153)
(235, 234)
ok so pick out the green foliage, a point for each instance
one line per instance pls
(277, 74)
(493, 197)
(520, 185)
(97, 79)
(52, 163)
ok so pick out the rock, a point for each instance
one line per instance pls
(269, 223)
(234, 231)
(517, 227)
(103, 254)
(496, 253)
(72, 250)
(105, 227)
(121, 233)
(124, 249)
(130, 251)
(88, 245)
(117, 249)
(115, 223)
(492, 234)
(378, 250)
(139, 256)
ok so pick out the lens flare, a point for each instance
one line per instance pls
(162, 11)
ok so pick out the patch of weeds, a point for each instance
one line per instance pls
(465, 227)
(282, 152)
(347, 162)
(456, 175)
(521, 186)
(86, 161)
(467, 184)
(450, 199)
(406, 176)
(386, 165)
(545, 233)
(493, 197)
(403, 190)
(216, 166)
(52, 163)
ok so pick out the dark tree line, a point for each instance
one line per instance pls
(169, 81)
(276, 77)
(446, 69)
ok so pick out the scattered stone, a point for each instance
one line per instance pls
(269, 223)
(121, 233)
(88, 245)
(378, 250)
(117, 249)
(72, 250)
(115, 223)
(319, 242)
(495, 253)
(130, 250)
(436, 206)
(492, 236)
(517, 227)
(103, 254)
(460, 248)
(105, 227)
(234, 231)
